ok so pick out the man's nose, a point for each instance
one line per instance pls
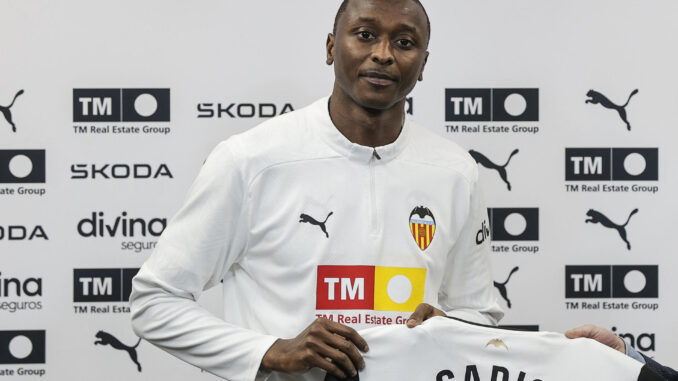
(383, 52)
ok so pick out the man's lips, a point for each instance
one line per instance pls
(378, 78)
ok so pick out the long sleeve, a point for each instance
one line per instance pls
(664, 371)
(467, 291)
(204, 239)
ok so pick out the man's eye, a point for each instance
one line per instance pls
(405, 43)
(365, 35)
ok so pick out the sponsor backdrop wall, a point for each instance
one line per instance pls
(110, 108)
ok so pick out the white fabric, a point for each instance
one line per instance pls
(241, 223)
(442, 347)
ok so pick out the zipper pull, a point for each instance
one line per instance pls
(375, 154)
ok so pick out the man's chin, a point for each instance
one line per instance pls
(378, 103)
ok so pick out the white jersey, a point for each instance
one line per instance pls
(299, 223)
(444, 349)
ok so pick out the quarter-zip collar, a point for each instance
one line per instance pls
(329, 133)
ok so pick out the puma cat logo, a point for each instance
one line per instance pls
(487, 163)
(305, 218)
(502, 288)
(108, 339)
(600, 218)
(7, 113)
(497, 343)
(598, 98)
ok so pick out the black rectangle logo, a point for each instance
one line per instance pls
(102, 285)
(619, 281)
(96, 105)
(146, 105)
(22, 166)
(635, 281)
(487, 105)
(611, 164)
(127, 276)
(514, 224)
(588, 281)
(468, 105)
(635, 164)
(22, 347)
(515, 105)
(121, 105)
(588, 164)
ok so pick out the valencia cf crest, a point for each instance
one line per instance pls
(422, 226)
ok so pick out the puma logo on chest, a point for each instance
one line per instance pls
(305, 218)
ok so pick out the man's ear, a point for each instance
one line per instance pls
(421, 73)
(330, 49)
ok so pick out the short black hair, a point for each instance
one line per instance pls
(344, 4)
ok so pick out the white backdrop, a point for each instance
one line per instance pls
(264, 52)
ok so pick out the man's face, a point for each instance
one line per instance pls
(379, 51)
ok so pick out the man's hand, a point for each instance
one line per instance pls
(423, 312)
(598, 334)
(323, 344)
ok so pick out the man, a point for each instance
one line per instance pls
(615, 342)
(343, 210)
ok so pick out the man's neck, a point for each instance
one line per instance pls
(367, 127)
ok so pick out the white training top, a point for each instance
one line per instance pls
(443, 349)
(299, 222)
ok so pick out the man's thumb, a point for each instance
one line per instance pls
(419, 315)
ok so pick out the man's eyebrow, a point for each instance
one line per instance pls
(407, 27)
(368, 20)
(372, 20)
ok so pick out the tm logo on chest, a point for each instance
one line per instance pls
(376, 288)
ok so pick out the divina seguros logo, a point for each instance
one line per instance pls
(641, 341)
(20, 294)
(141, 111)
(98, 225)
(492, 111)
